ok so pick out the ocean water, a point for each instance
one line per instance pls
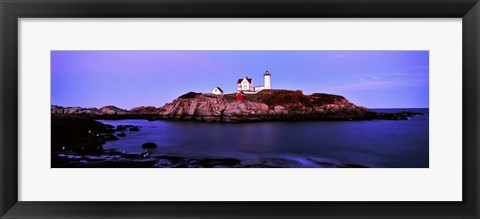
(376, 143)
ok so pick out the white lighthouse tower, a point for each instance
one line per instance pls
(266, 80)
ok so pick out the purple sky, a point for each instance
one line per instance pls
(375, 79)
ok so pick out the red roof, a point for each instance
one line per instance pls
(248, 79)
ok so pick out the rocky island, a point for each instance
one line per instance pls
(266, 105)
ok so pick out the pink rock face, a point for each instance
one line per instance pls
(279, 109)
(144, 110)
(74, 110)
(112, 110)
(205, 107)
(264, 106)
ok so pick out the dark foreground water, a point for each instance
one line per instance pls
(377, 143)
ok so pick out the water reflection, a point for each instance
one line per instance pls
(378, 143)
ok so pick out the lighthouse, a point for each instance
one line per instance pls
(245, 85)
(266, 80)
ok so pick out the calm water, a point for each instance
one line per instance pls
(377, 143)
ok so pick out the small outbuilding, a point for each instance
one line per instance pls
(240, 96)
(217, 91)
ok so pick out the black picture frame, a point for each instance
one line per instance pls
(12, 10)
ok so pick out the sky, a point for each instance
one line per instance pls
(127, 79)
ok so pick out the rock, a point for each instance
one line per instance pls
(76, 133)
(279, 109)
(263, 106)
(74, 110)
(266, 105)
(121, 134)
(192, 108)
(107, 137)
(134, 129)
(149, 145)
(149, 110)
(108, 112)
(120, 128)
(112, 110)
(396, 116)
(224, 162)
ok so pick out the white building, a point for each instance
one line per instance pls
(266, 80)
(217, 91)
(246, 84)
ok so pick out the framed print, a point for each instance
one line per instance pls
(239, 109)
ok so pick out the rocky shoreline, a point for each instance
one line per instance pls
(112, 159)
(77, 141)
(267, 105)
